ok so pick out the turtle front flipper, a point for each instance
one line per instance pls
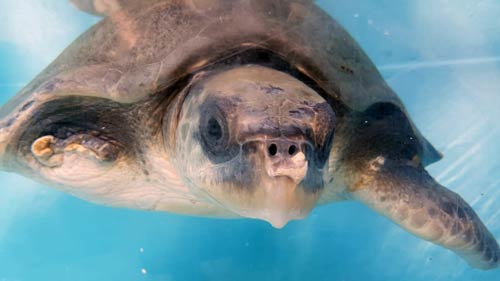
(100, 150)
(410, 197)
(381, 165)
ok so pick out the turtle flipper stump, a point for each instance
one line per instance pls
(410, 197)
(50, 150)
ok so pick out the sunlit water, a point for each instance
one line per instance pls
(441, 57)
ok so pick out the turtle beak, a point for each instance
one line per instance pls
(284, 201)
(281, 200)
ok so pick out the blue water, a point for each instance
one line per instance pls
(442, 58)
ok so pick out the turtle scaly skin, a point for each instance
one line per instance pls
(230, 108)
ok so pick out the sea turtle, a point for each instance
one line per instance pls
(230, 108)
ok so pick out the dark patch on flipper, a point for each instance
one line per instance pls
(70, 117)
(384, 129)
(383, 168)
(425, 208)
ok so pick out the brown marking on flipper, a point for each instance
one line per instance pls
(42, 146)
(410, 197)
(365, 179)
(43, 151)
(49, 150)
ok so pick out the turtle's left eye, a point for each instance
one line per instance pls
(214, 130)
(215, 137)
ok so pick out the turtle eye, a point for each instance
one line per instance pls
(214, 132)
(214, 129)
(215, 137)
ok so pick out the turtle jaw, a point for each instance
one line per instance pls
(261, 183)
(282, 200)
(276, 200)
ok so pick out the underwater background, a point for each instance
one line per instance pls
(442, 58)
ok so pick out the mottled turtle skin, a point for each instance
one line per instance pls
(230, 108)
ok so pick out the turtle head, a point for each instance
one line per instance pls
(255, 140)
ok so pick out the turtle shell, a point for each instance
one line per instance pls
(143, 49)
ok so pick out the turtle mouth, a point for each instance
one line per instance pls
(275, 199)
(268, 180)
(281, 200)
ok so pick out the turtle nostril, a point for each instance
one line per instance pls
(273, 149)
(292, 149)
